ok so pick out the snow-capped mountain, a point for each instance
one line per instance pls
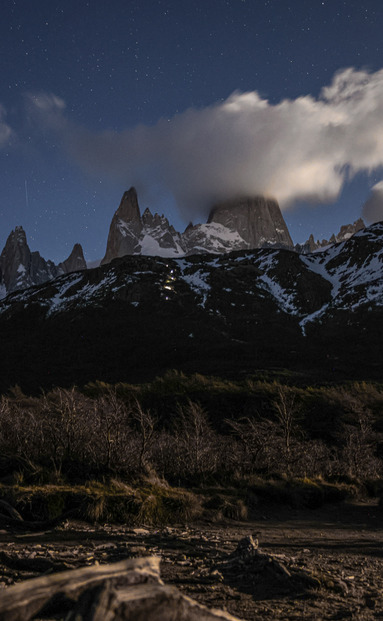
(138, 315)
(21, 268)
(233, 225)
(345, 276)
(131, 234)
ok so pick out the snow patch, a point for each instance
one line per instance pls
(151, 248)
(312, 317)
(285, 300)
(196, 281)
(124, 228)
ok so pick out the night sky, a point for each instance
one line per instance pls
(97, 96)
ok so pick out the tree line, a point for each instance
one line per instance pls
(72, 436)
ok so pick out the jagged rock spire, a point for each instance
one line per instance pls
(125, 228)
(233, 225)
(345, 232)
(20, 268)
(128, 209)
(15, 261)
(75, 261)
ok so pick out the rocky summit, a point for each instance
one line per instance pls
(346, 231)
(21, 268)
(130, 233)
(258, 221)
(243, 223)
(238, 224)
(228, 314)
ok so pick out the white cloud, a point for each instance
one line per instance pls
(48, 102)
(297, 149)
(373, 207)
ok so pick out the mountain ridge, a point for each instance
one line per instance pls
(345, 232)
(138, 316)
(233, 225)
(237, 224)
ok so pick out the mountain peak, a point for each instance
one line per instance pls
(345, 232)
(128, 209)
(15, 261)
(237, 224)
(258, 220)
(20, 268)
(75, 261)
(17, 236)
(19, 231)
(125, 228)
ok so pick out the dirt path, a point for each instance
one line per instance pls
(340, 546)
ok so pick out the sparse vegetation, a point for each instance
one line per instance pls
(130, 452)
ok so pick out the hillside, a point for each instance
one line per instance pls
(230, 314)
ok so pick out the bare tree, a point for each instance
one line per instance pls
(112, 422)
(145, 423)
(253, 437)
(194, 439)
(287, 411)
(359, 440)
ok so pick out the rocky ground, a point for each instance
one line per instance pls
(311, 564)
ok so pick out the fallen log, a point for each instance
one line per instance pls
(127, 591)
(23, 601)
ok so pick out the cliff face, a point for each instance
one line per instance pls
(21, 268)
(258, 221)
(125, 228)
(238, 224)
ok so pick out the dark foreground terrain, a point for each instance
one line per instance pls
(332, 560)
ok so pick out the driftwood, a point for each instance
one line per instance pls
(24, 600)
(130, 590)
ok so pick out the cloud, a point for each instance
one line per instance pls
(373, 207)
(48, 112)
(47, 102)
(302, 149)
(5, 130)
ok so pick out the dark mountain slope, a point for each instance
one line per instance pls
(227, 315)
